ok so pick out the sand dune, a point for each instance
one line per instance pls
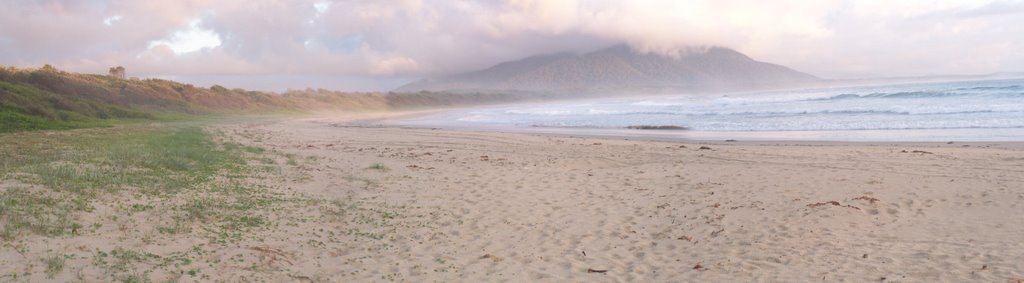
(467, 206)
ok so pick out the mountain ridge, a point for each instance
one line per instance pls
(619, 68)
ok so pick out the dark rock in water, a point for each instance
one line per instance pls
(657, 127)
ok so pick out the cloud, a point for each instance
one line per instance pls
(109, 21)
(189, 39)
(405, 39)
(550, 17)
(391, 65)
(656, 26)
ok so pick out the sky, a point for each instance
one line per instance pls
(379, 45)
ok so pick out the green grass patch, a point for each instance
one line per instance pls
(184, 168)
(24, 107)
(54, 265)
(155, 161)
(121, 264)
(22, 210)
(11, 121)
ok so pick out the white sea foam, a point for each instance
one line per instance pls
(950, 105)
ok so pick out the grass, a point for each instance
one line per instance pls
(24, 107)
(366, 182)
(372, 220)
(22, 210)
(12, 121)
(49, 99)
(157, 162)
(378, 166)
(70, 170)
(54, 265)
(121, 263)
(184, 180)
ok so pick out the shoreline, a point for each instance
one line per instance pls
(402, 119)
(901, 113)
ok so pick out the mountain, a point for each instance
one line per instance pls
(619, 68)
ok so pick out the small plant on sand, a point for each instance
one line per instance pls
(22, 210)
(367, 183)
(378, 166)
(54, 265)
(292, 159)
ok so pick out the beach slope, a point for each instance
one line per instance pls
(470, 206)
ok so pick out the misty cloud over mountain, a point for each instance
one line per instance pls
(619, 68)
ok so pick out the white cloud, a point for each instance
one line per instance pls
(551, 17)
(190, 39)
(391, 65)
(109, 21)
(321, 7)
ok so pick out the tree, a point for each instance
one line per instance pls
(118, 72)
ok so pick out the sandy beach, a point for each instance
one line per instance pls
(511, 141)
(514, 207)
(365, 203)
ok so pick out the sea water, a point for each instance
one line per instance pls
(964, 110)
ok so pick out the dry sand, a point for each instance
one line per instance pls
(515, 207)
(450, 206)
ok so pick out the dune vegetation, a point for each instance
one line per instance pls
(51, 99)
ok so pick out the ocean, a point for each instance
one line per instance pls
(990, 110)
